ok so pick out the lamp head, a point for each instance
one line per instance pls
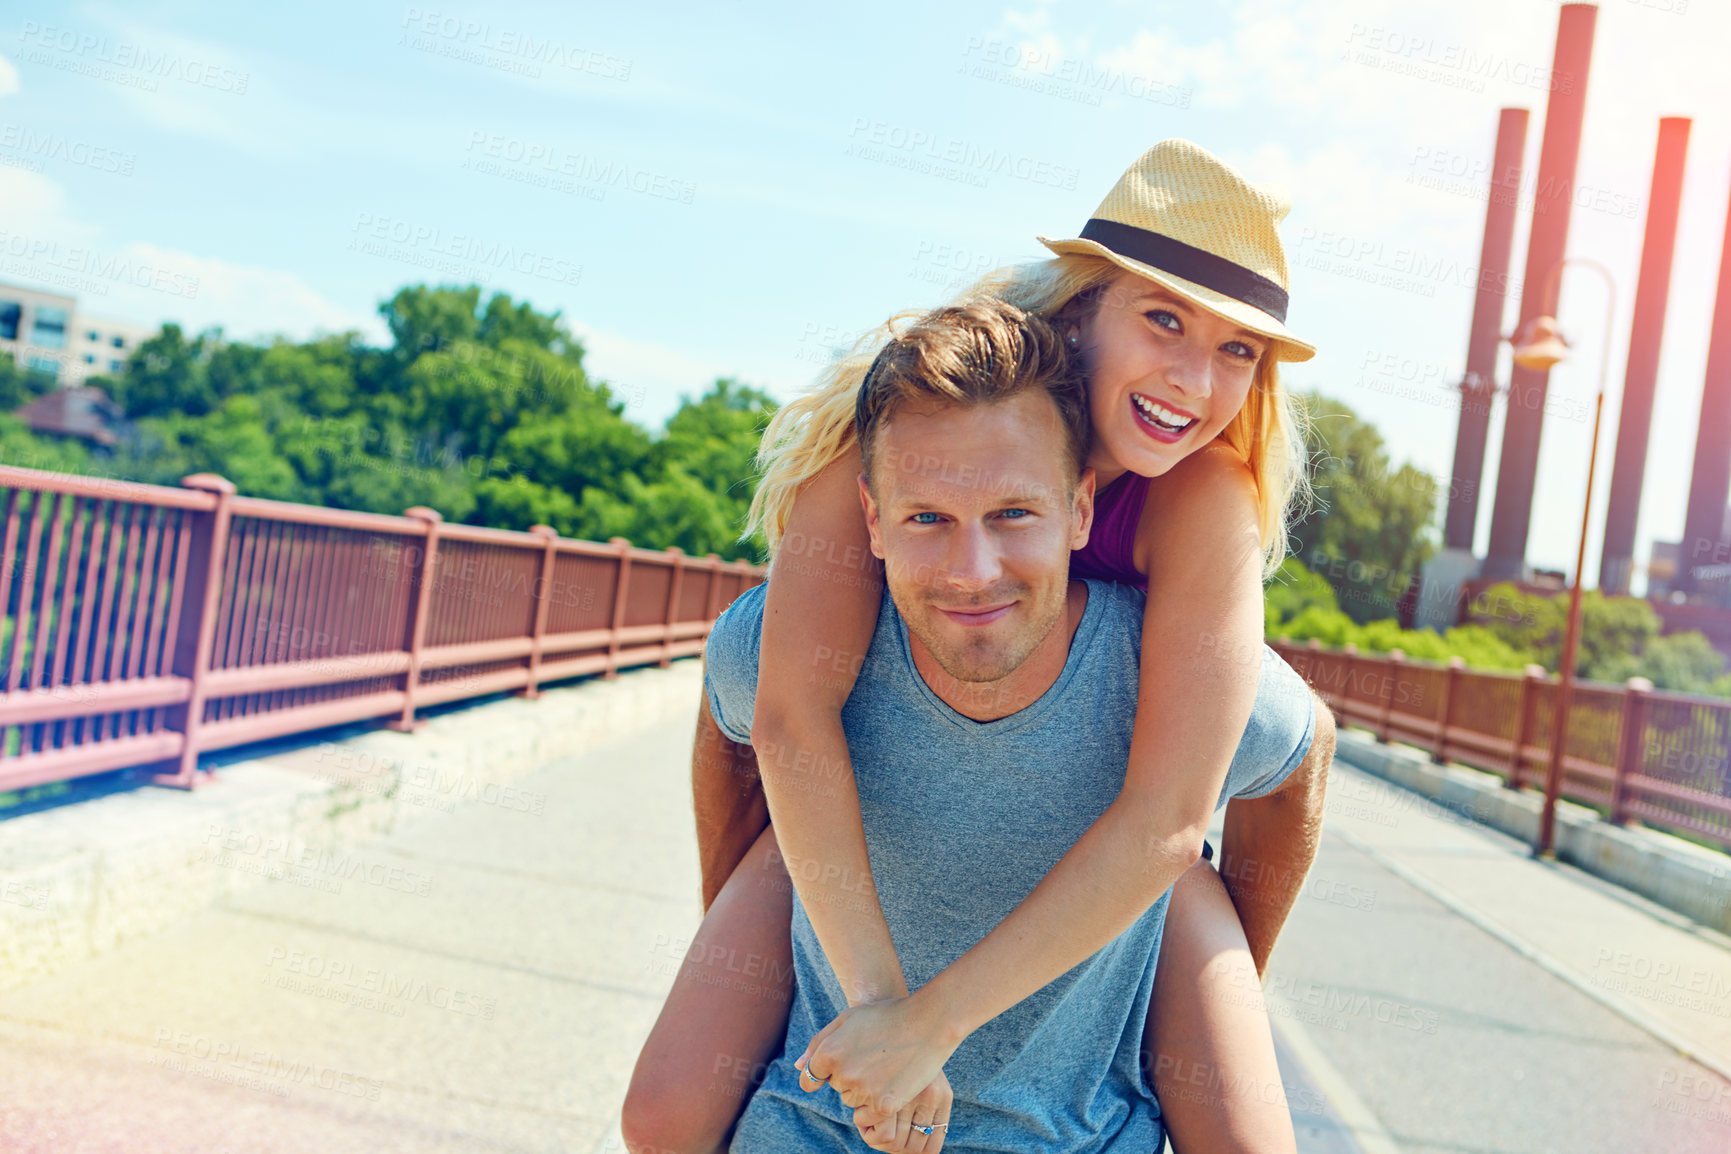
(1539, 344)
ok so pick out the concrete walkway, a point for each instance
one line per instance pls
(479, 976)
(1457, 996)
(1654, 967)
(478, 980)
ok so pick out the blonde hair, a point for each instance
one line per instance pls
(807, 434)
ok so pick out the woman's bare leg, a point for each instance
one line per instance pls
(1208, 1047)
(724, 1019)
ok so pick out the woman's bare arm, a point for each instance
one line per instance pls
(819, 615)
(1204, 610)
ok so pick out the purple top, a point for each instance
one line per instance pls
(1110, 554)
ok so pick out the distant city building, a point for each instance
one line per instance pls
(35, 327)
(1712, 573)
(101, 347)
(1555, 580)
(45, 331)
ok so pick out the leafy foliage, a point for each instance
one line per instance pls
(1620, 636)
(1372, 529)
(483, 411)
(20, 386)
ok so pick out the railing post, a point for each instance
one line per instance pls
(543, 598)
(1310, 674)
(1349, 657)
(1632, 749)
(1451, 680)
(619, 591)
(200, 598)
(1385, 693)
(676, 556)
(713, 608)
(422, 576)
(1530, 682)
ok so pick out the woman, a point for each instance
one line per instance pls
(1174, 299)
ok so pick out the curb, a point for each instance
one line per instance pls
(1679, 875)
(82, 879)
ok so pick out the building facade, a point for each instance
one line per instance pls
(45, 332)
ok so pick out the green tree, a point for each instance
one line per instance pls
(1620, 638)
(1372, 529)
(24, 449)
(20, 386)
(423, 319)
(484, 411)
(1293, 589)
(1300, 606)
(590, 444)
(15, 391)
(714, 440)
(168, 375)
(675, 510)
(1685, 662)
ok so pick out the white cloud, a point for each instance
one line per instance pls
(44, 244)
(8, 77)
(248, 301)
(648, 377)
(1156, 58)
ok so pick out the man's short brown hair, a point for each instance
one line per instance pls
(977, 353)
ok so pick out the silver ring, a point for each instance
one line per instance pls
(933, 1126)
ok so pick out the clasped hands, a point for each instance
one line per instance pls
(886, 1060)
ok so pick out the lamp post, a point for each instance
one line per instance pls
(1539, 345)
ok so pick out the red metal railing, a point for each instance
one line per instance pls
(141, 625)
(1630, 752)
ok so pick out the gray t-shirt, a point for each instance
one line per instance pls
(962, 820)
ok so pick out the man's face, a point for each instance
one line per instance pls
(975, 514)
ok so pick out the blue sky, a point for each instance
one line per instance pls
(725, 189)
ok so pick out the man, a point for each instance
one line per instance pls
(969, 800)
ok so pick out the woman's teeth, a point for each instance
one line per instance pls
(1160, 415)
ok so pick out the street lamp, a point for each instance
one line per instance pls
(1538, 346)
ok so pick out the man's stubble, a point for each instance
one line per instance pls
(982, 660)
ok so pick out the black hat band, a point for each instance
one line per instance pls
(1193, 264)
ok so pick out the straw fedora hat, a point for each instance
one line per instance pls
(1187, 220)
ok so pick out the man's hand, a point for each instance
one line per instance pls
(879, 1056)
(896, 1134)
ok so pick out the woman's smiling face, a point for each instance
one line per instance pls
(1165, 376)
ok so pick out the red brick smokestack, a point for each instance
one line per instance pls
(1517, 468)
(1710, 479)
(1618, 557)
(1493, 292)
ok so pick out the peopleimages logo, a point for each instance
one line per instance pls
(52, 146)
(1454, 65)
(892, 143)
(448, 34)
(426, 245)
(100, 55)
(1370, 259)
(1070, 78)
(87, 262)
(582, 168)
